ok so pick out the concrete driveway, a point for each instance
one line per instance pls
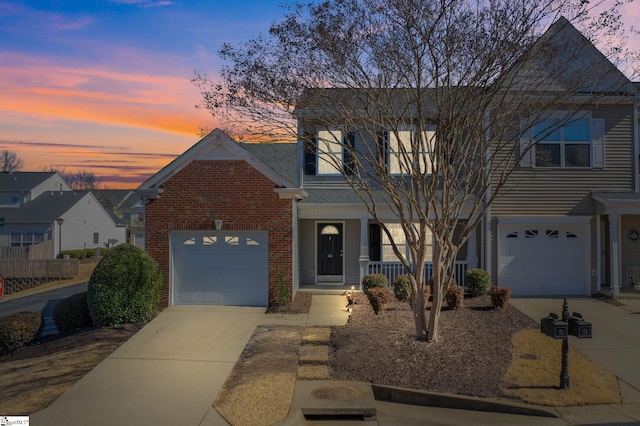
(616, 335)
(168, 373)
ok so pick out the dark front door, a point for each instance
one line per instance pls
(330, 251)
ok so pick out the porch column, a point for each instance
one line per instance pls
(472, 250)
(614, 252)
(364, 249)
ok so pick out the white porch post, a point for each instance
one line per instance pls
(614, 258)
(472, 250)
(364, 249)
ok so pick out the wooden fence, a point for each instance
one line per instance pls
(40, 251)
(49, 269)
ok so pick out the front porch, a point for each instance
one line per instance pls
(392, 269)
(389, 269)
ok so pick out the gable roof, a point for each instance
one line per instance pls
(217, 145)
(23, 181)
(564, 59)
(45, 208)
(281, 157)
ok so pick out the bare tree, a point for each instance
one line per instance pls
(10, 162)
(439, 94)
(83, 180)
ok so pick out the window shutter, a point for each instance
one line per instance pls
(349, 164)
(310, 158)
(383, 148)
(525, 142)
(597, 142)
(375, 242)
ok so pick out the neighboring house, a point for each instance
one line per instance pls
(227, 221)
(128, 207)
(40, 208)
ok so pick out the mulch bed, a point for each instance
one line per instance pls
(299, 305)
(474, 352)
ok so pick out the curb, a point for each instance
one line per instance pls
(457, 402)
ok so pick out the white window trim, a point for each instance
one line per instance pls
(329, 152)
(406, 252)
(395, 157)
(596, 144)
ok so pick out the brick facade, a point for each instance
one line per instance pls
(229, 190)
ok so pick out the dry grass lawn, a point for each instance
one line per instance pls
(534, 374)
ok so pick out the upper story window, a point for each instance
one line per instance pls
(577, 144)
(329, 153)
(407, 155)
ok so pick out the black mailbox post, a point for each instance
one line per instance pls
(557, 328)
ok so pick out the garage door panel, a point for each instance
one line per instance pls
(539, 260)
(220, 267)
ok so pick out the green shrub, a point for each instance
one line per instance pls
(72, 313)
(454, 297)
(374, 280)
(89, 253)
(378, 298)
(19, 329)
(500, 296)
(73, 254)
(125, 287)
(478, 282)
(402, 288)
(282, 289)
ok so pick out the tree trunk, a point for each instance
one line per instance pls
(418, 303)
(438, 287)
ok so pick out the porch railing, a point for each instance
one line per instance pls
(392, 269)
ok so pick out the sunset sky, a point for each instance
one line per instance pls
(104, 85)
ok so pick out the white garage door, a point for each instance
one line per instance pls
(220, 268)
(544, 260)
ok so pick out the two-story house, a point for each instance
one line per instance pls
(227, 222)
(39, 209)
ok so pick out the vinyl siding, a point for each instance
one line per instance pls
(84, 218)
(352, 252)
(307, 251)
(566, 191)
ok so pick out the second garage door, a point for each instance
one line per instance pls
(220, 268)
(544, 260)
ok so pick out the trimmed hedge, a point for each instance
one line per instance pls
(72, 313)
(500, 297)
(402, 288)
(125, 287)
(478, 282)
(374, 281)
(378, 298)
(19, 329)
(454, 296)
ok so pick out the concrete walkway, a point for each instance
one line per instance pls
(171, 371)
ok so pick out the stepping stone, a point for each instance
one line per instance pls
(312, 354)
(316, 336)
(313, 372)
